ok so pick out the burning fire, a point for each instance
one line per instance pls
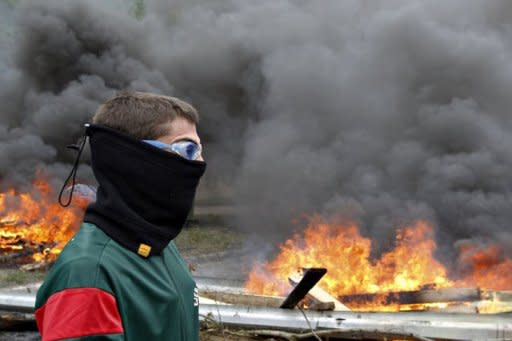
(486, 267)
(409, 266)
(35, 222)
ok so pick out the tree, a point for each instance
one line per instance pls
(138, 9)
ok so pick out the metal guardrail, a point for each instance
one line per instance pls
(22, 303)
(472, 327)
(425, 325)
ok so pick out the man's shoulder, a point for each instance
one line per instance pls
(86, 246)
(79, 264)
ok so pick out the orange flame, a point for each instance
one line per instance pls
(341, 249)
(36, 219)
(485, 267)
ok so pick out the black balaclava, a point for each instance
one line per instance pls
(145, 194)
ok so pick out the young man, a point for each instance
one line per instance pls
(121, 277)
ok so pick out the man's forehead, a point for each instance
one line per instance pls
(180, 127)
(182, 122)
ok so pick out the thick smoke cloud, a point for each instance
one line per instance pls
(378, 112)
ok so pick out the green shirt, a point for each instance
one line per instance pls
(98, 290)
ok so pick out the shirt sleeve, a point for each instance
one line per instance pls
(109, 337)
(80, 314)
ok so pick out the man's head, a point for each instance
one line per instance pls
(145, 193)
(148, 116)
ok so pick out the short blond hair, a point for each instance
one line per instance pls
(144, 115)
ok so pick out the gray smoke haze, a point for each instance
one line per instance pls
(379, 112)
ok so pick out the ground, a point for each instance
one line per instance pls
(202, 242)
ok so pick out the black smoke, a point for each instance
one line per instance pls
(378, 112)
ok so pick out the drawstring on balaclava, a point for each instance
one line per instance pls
(79, 147)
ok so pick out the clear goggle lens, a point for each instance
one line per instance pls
(186, 149)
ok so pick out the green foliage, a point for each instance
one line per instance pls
(138, 9)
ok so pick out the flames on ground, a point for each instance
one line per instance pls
(409, 266)
(33, 226)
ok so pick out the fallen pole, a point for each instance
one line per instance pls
(417, 297)
(319, 296)
(242, 298)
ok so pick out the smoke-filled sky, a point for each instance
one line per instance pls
(381, 112)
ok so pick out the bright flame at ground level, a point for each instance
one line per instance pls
(347, 256)
(36, 220)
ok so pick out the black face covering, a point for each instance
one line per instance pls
(144, 195)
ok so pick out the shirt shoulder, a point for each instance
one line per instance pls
(79, 264)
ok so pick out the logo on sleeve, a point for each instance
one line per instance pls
(196, 297)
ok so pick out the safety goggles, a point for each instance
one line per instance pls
(186, 149)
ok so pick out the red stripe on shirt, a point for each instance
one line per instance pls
(78, 312)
